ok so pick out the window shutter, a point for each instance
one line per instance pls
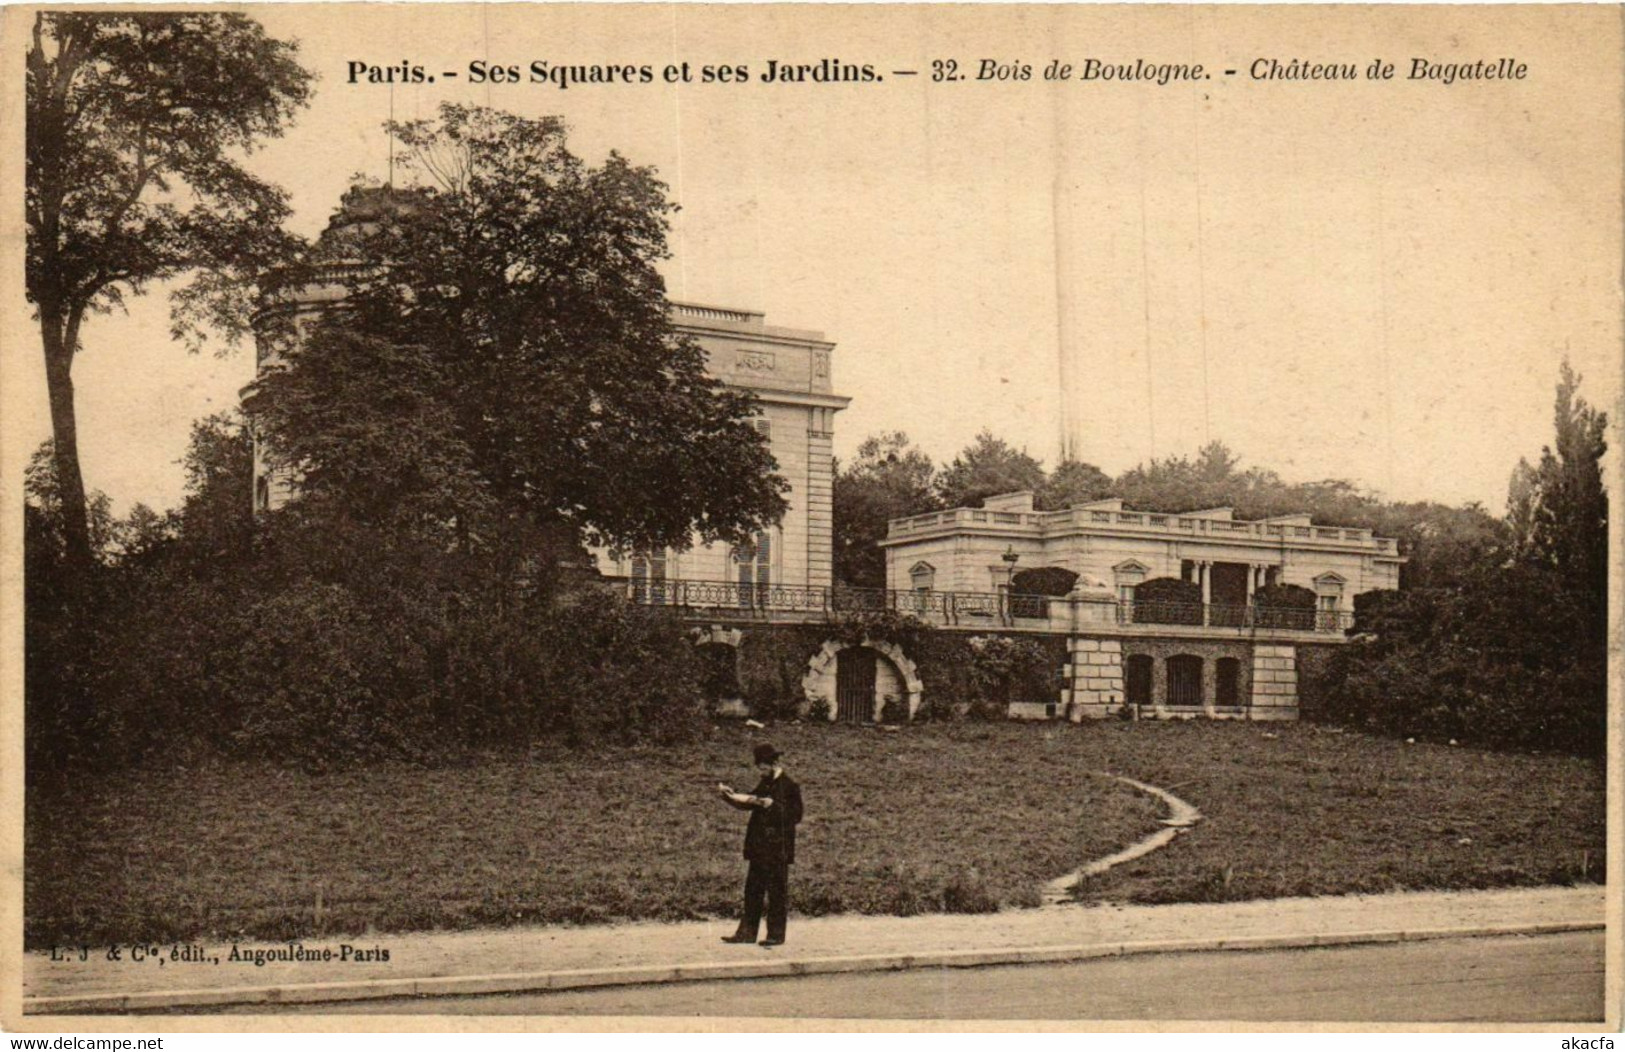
(649, 577)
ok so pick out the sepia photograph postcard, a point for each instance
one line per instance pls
(750, 517)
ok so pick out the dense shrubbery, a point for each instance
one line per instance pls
(1513, 651)
(280, 657)
(1044, 580)
(1284, 606)
(490, 397)
(978, 676)
(1499, 661)
(1168, 601)
(617, 672)
(1005, 669)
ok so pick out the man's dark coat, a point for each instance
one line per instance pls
(771, 835)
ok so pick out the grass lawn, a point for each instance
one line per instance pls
(948, 817)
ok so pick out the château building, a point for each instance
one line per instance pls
(788, 372)
(1185, 614)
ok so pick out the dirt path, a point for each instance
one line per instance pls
(1181, 816)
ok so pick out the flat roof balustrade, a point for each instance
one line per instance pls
(1136, 523)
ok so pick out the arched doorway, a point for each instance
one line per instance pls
(1185, 680)
(1137, 671)
(855, 673)
(717, 649)
(719, 673)
(890, 675)
(1227, 681)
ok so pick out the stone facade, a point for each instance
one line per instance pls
(1161, 700)
(895, 678)
(1275, 683)
(1094, 675)
(964, 549)
(1222, 679)
(788, 371)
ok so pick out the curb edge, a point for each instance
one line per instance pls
(638, 975)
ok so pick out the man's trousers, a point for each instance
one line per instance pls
(772, 881)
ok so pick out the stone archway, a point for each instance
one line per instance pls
(901, 679)
(719, 651)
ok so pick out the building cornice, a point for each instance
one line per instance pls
(796, 398)
(1007, 532)
(751, 336)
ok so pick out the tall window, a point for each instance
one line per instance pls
(753, 569)
(649, 578)
(1328, 600)
(1128, 575)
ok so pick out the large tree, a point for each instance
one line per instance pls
(507, 371)
(987, 467)
(1486, 647)
(1558, 511)
(1182, 484)
(216, 520)
(136, 127)
(1073, 482)
(887, 480)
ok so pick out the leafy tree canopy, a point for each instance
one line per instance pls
(136, 126)
(1072, 482)
(46, 541)
(216, 519)
(889, 479)
(1558, 511)
(1507, 644)
(988, 466)
(508, 365)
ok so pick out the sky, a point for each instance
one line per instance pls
(1373, 280)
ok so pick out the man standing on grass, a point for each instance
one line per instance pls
(770, 846)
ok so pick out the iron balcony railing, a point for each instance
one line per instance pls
(962, 608)
(1227, 615)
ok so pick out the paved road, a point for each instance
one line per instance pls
(1550, 978)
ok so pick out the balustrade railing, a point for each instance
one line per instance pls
(1183, 525)
(726, 598)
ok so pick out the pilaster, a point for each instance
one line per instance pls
(820, 498)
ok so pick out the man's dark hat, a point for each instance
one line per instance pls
(765, 753)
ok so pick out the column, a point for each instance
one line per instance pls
(1204, 570)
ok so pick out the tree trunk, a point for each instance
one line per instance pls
(60, 335)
